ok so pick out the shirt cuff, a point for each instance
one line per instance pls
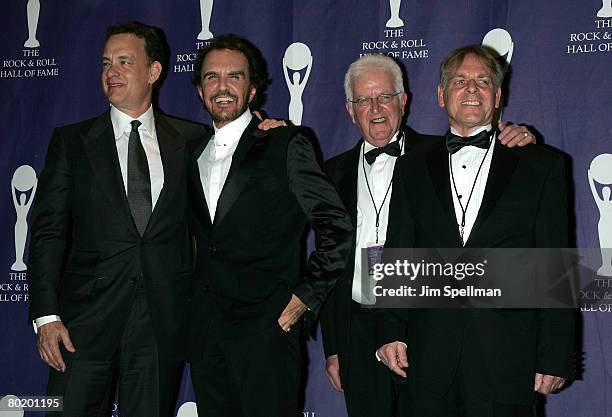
(41, 321)
(378, 358)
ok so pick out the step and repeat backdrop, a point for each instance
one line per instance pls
(559, 55)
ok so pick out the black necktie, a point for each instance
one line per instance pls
(392, 149)
(139, 181)
(454, 142)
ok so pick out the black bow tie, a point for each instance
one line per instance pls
(392, 149)
(454, 142)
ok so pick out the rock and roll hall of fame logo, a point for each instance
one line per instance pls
(297, 63)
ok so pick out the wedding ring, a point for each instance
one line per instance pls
(525, 134)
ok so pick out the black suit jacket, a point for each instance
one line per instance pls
(335, 314)
(249, 260)
(524, 205)
(86, 254)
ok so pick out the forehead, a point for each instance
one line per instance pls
(126, 43)
(472, 65)
(227, 59)
(373, 79)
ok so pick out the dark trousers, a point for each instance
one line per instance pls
(469, 394)
(370, 388)
(253, 375)
(147, 385)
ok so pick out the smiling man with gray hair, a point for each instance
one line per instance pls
(376, 103)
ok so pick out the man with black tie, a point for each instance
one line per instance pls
(254, 193)
(470, 192)
(376, 102)
(110, 254)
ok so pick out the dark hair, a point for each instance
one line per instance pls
(156, 46)
(485, 54)
(258, 73)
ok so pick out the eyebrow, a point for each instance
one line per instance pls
(237, 72)
(461, 75)
(105, 58)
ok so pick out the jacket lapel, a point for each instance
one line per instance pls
(172, 155)
(503, 164)
(238, 175)
(198, 201)
(437, 163)
(101, 150)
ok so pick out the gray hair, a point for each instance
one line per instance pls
(485, 54)
(374, 61)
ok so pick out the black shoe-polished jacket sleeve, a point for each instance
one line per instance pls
(327, 217)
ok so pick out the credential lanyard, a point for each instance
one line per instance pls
(464, 209)
(378, 210)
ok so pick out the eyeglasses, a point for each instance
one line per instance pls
(384, 98)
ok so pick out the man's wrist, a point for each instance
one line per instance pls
(41, 321)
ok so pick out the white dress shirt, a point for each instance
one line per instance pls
(465, 163)
(216, 159)
(379, 176)
(148, 136)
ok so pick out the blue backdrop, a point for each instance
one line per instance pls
(560, 55)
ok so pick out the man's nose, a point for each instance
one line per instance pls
(472, 86)
(111, 70)
(222, 82)
(374, 105)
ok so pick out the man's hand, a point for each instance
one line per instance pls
(48, 347)
(393, 355)
(545, 384)
(291, 313)
(268, 124)
(332, 369)
(515, 135)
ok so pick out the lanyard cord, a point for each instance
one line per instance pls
(376, 209)
(464, 209)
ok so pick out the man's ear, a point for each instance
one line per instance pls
(200, 93)
(252, 93)
(404, 99)
(155, 70)
(498, 95)
(350, 111)
(441, 96)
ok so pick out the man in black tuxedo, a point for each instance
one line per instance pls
(470, 192)
(110, 255)
(254, 194)
(375, 102)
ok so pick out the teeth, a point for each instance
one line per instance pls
(378, 120)
(471, 103)
(224, 100)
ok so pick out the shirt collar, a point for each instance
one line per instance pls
(121, 121)
(231, 132)
(474, 131)
(368, 146)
